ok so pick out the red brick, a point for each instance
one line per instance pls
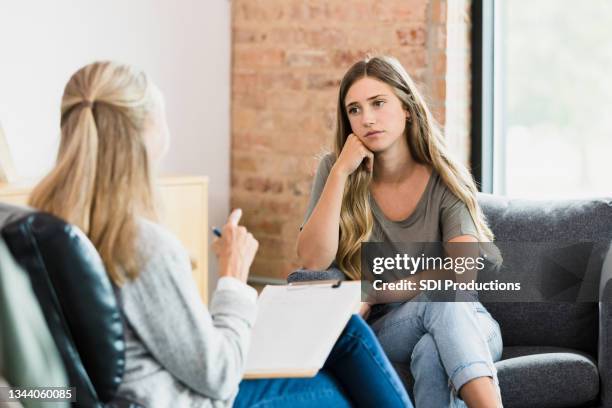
(440, 37)
(273, 205)
(263, 185)
(322, 81)
(247, 164)
(412, 58)
(405, 10)
(411, 36)
(252, 100)
(346, 58)
(275, 248)
(439, 65)
(261, 143)
(251, 56)
(306, 58)
(438, 11)
(273, 268)
(250, 82)
(271, 163)
(291, 35)
(300, 188)
(250, 36)
(266, 226)
(305, 11)
(258, 11)
(440, 89)
(356, 11)
(327, 36)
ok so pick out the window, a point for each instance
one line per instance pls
(545, 88)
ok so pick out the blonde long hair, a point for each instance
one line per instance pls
(102, 178)
(427, 146)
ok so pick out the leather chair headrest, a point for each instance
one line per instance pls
(71, 283)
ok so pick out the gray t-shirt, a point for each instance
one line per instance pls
(438, 217)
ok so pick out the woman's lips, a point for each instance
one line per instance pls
(374, 133)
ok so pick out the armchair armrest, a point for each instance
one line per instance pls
(604, 346)
(303, 275)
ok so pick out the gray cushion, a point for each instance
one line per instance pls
(561, 223)
(539, 377)
(546, 220)
(567, 325)
(547, 377)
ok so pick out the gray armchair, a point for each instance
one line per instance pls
(556, 354)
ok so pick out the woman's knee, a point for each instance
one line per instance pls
(358, 328)
(449, 307)
(425, 353)
(356, 334)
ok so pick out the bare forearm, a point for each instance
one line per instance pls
(318, 240)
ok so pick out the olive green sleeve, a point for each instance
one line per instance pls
(455, 218)
(320, 179)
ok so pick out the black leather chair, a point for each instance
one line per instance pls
(78, 302)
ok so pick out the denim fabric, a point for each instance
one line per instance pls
(446, 345)
(356, 373)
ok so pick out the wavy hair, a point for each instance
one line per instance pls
(102, 178)
(427, 146)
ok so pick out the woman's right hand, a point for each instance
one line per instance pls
(352, 155)
(236, 248)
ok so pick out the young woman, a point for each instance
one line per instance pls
(391, 179)
(179, 354)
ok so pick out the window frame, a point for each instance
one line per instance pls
(486, 151)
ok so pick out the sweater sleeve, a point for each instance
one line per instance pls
(204, 350)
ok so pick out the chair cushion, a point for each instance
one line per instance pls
(69, 278)
(546, 377)
(578, 233)
(542, 377)
(569, 325)
(548, 220)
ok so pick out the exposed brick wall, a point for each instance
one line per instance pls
(458, 83)
(288, 59)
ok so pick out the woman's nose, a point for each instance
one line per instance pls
(368, 118)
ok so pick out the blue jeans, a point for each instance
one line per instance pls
(446, 345)
(356, 373)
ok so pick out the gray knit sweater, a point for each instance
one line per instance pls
(178, 353)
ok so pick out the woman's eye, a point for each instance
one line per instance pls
(379, 103)
(353, 110)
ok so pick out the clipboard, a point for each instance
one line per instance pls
(297, 326)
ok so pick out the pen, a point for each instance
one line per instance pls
(216, 231)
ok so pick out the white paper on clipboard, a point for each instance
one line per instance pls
(297, 326)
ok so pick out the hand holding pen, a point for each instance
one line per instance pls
(234, 247)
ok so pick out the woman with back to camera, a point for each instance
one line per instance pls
(391, 179)
(178, 353)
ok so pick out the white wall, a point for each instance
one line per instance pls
(184, 45)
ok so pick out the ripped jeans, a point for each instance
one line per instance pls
(446, 344)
